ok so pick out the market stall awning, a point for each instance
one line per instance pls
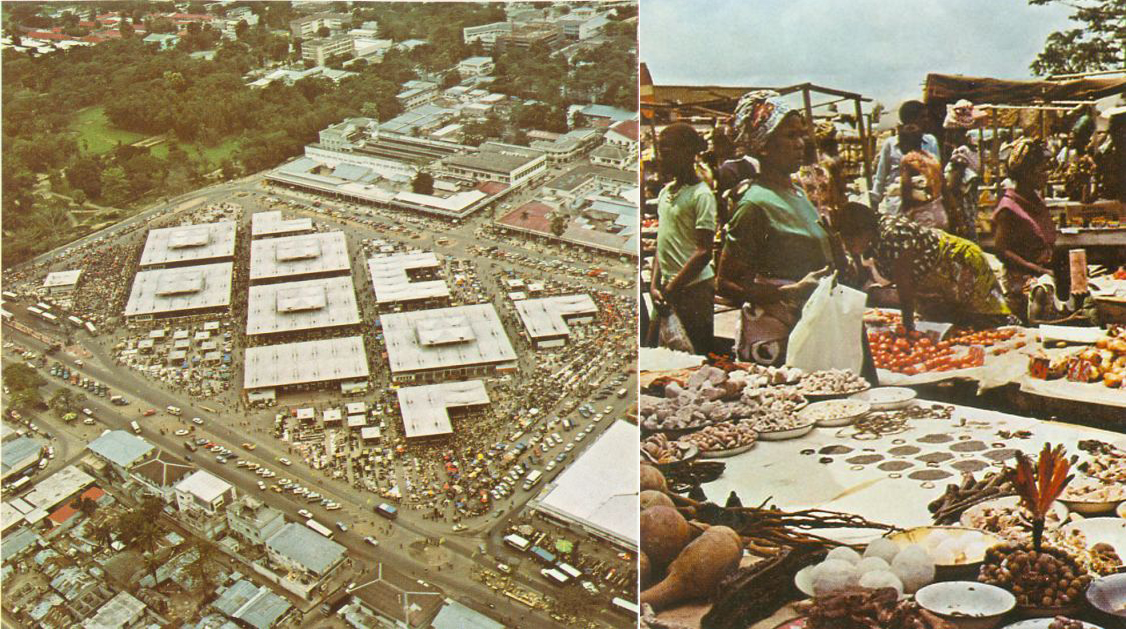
(947, 88)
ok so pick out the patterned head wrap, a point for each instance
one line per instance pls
(825, 130)
(757, 115)
(1024, 154)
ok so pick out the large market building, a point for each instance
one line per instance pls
(447, 343)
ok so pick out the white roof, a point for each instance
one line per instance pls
(62, 278)
(203, 485)
(310, 361)
(425, 409)
(186, 288)
(306, 305)
(189, 242)
(445, 338)
(306, 413)
(357, 421)
(356, 408)
(392, 284)
(546, 317)
(332, 415)
(10, 515)
(594, 491)
(272, 224)
(58, 487)
(298, 255)
(370, 432)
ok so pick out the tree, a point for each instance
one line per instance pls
(423, 183)
(1097, 45)
(85, 174)
(79, 198)
(125, 28)
(115, 186)
(101, 534)
(85, 505)
(450, 79)
(61, 402)
(323, 31)
(20, 377)
(559, 222)
(241, 29)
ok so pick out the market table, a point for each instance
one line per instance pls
(793, 478)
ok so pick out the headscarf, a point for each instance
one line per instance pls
(825, 130)
(1023, 154)
(961, 115)
(757, 115)
(967, 156)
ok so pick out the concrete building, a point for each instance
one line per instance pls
(404, 279)
(625, 133)
(566, 147)
(292, 307)
(254, 606)
(347, 134)
(163, 41)
(579, 28)
(320, 51)
(612, 156)
(19, 455)
(180, 292)
(298, 548)
(507, 163)
(189, 245)
(308, 364)
(447, 343)
(62, 282)
(546, 319)
(305, 257)
(253, 520)
(486, 33)
(454, 615)
(426, 410)
(307, 27)
(122, 450)
(202, 499)
(524, 36)
(54, 490)
(123, 611)
(476, 66)
(416, 93)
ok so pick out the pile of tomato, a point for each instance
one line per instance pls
(912, 353)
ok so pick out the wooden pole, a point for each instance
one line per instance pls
(864, 140)
(996, 154)
(807, 100)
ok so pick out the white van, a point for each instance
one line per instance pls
(174, 410)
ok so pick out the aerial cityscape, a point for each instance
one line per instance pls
(319, 314)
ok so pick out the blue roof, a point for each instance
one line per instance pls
(454, 615)
(16, 452)
(606, 111)
(305, 546)
(350, 171)
(120, 448)
(235, 597)
(256, 606)
(17, 542)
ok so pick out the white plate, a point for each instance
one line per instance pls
(860, 409)
(1105, 530)
(886, 398)
(967, 600)
(782, 435)
(1042, 623)
(1070, 334)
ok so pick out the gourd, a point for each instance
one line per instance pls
(664, 533)
(654, 498)
(644, 570)
(698, 569)
(651, 478)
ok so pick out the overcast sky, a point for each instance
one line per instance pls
(880, 48)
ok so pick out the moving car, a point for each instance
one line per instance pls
(303, 513)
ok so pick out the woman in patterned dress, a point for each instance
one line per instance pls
(949, 273)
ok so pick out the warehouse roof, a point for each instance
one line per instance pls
(204, 485)
(186, 243)
(546, 317)
(188, 288)
(272, 224)
(298, 255)
(445, 338)
(392, 283)
(425, 409)
(62, 278)
(120, 447)
(306, 305)
(123, 610)
(310, 361)
(57, 487)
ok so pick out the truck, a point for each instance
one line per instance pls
(517, 542)
(118, 400)
(386, 510)
(542, 555)
(135, 427)
(552, 574)
(318, 527)
(533, 477)
(174, 410)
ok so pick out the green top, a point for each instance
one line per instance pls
(777, 234)
(680, 214)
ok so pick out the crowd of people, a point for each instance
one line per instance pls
(755, 211)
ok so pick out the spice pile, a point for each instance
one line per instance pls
(1047, 578)
(870, 609)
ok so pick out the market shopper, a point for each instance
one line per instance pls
(776, 249)
(911, 113)
(949, 274)
(683, 275)
(1024, 235)
(921, 182)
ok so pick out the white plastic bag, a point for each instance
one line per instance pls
(828, 334)
(673, 335)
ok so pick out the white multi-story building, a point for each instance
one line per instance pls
(416, 93)
(476, 66)
(486, 33)
(321, 50)
(202, 499)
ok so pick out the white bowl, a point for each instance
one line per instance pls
(1105, 530)
(847, 411)
(886, 398)
(782, 435)
(967, 604)
(1121, 510)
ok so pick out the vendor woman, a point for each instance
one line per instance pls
(951, 273)
(683, 278)
(1023, 231)
(775, 250)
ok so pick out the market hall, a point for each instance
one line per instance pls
(835, 315)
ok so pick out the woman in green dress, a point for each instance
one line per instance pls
(776, 249)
